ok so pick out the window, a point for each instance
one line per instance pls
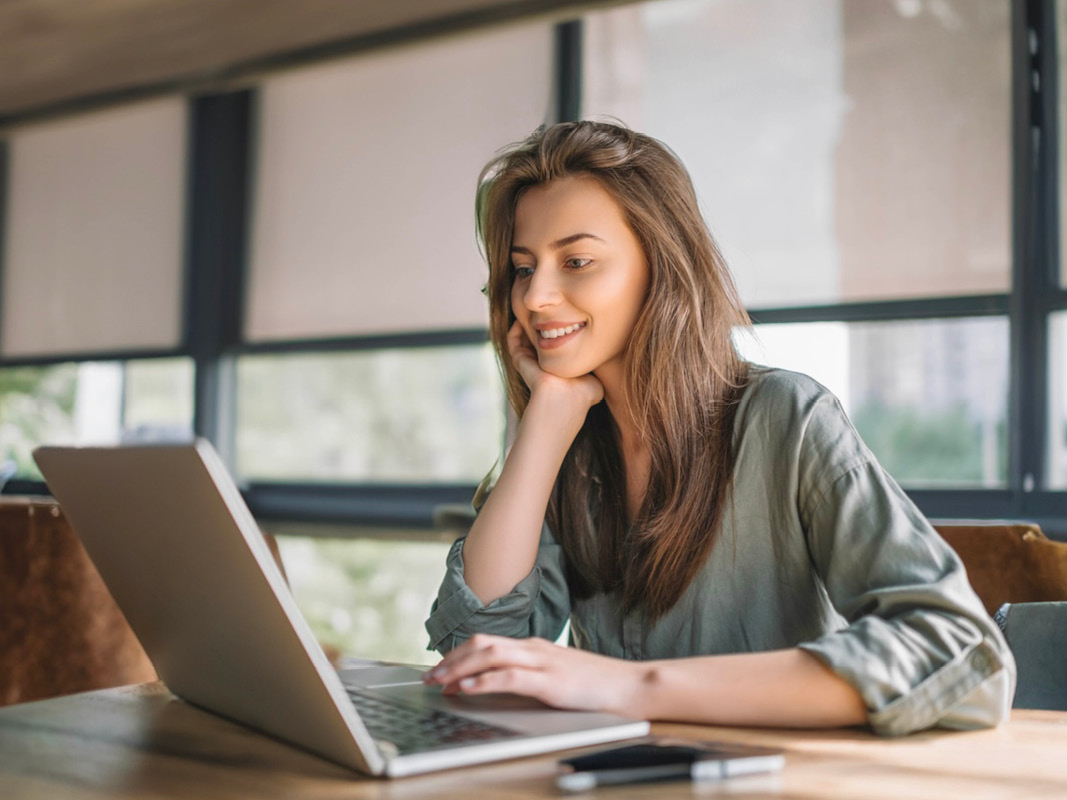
(854, 160)
(91, 403)
(877, 172)
(413, 415)
(929, 397)
(368, 597)
(93, 250)
(364, 208)
(844, 151)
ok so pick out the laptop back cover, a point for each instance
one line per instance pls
(181, 554)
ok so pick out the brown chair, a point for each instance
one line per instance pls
(60, 630)
(1010, 562)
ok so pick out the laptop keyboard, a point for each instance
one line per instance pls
(414, 729)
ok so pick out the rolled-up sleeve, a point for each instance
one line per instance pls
(539, 605)
(919, 647)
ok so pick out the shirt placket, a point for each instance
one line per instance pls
(633, 637)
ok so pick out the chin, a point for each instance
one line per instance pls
(563, 370)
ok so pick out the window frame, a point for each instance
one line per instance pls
(1035, 291)
(220, 177)
(221, 145)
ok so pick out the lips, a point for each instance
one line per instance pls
(556, 332)
(554, 335)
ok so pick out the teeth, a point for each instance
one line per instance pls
(557, 332)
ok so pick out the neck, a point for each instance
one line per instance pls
(611, 377)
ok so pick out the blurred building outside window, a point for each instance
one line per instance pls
(929, 397)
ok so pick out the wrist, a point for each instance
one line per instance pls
(639, 698)
(558, 409)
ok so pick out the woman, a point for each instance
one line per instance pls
(724, 546)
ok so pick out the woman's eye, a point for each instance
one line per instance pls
(577, 263)
(523, 272)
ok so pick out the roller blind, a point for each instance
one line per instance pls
(363, 217)
(93, 246)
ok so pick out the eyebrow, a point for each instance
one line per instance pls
(559, 243)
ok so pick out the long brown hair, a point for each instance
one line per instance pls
(683, 376)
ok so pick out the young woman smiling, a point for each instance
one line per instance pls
(724, 546)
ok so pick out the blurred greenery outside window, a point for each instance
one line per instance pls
(367, 597)
(416, 415)
(93, 402)
(929, 397)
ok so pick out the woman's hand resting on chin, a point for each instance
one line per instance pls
(581, 393)
(563, 677)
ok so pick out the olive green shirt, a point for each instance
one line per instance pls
(821, 550)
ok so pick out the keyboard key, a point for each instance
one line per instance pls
(411, 728)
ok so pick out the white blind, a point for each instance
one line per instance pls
(93, 253)
(364, 203)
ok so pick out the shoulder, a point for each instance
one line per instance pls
(771, 382)
(793, 416)
(782, 399)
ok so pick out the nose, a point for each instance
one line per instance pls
(542, 290)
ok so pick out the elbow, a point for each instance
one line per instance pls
(987, 706)
(974, 691)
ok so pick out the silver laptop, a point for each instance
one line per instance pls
(183, 558)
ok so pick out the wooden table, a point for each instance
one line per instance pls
(142, 742)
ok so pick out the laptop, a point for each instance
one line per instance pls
(175, 543)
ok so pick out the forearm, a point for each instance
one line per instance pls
(782, 688)
(501, 547)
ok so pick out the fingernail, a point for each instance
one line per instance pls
(466, 683)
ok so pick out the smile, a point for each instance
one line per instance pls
(555, 333)
(551, 338)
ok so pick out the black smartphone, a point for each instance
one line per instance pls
(666, 760)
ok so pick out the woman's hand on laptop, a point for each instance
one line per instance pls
(563, 677)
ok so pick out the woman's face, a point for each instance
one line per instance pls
(580, 276)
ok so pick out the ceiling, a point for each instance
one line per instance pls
(60, 55)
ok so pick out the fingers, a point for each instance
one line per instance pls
(519, 342)
(485, 654)
(523, 355)
(512, 680)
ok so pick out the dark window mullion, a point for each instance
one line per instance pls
(1031, 229)
(453, 338)
(1055, 299)
(568, 65)
(217, 217)
(889, 310)
(82, 358)
(1044, 288)
(384, 505)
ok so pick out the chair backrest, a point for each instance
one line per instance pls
(1037, 635)
(1010, 562)
(60, 630)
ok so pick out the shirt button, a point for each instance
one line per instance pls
(981, 661)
